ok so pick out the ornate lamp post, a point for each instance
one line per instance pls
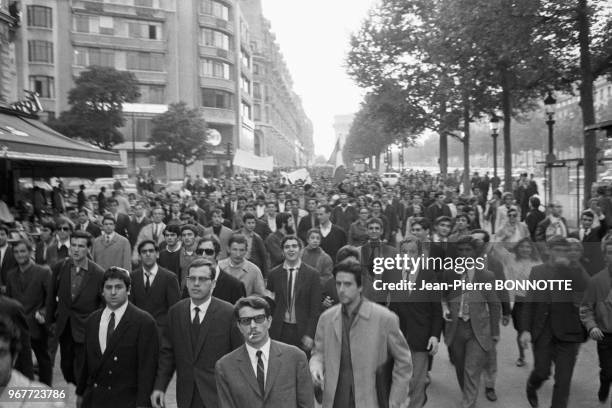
(549, 104)
(494, 125)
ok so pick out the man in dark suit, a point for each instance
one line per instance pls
(138, 220)
(28, 283)
(7, 260)
(438, 208)
(343, 215)
(227, 288)
(154, 289)
(552, 324)
(122, 221)
(261, 228)
(472, 322)
(332, 237)
(170, 256)
(74, 293)
(420, 317)
(201, 330)
(46, 241)
(373, 249)
(85, 224)
(120, 348)
(297, 293)
(591, 240)
(256, 251)
(308, 221)
(262, 373)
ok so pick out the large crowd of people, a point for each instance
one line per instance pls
(254, 292)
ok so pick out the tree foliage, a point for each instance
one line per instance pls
(96, 106)
(179, 135)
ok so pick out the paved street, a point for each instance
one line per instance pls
(444, 391)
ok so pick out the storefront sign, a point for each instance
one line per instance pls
(30, 105)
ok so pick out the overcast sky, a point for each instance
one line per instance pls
(314, 39)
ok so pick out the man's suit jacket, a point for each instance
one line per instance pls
(162, 295)
(122, 224)
(224, 236)
(305, 225)
(92, 228)
(124, 374)
(134, 228)
(335, 240)
(30, 288)
(419, 311)
(8, 263)
(273, 247)
(540, 232)
(228, 288)
(51, 256)
(307, 295)
(62, 309)
(195, 365)
(258, 254)
(554, 310)
(115, 253)
(262, 229)
(484, 309)
(343, 218)
(591, 244)
(367, 274)
(433, 211)
(376, 333)
(13, 309)
(288, 380)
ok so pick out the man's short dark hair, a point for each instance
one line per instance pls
(108, 217)
(49, 225)
(327, 208)
(313, 231)
(464, 216)
(237, 239)
(467, 240)
(291, 238)
(282, 219)
(248, 216)
(81, 235)
(199, 262)
(347, 251)
(443, 218)
(173, 229)
(25, 242)
(148, 241)
(189, 227)
(374, 220)
(82, 210)
(534, 201)
(10, 333)
(588, 213)
(112, 200)
(114, 272)
(422, 221)
(486, 237)
(254, 302)
(349, 266)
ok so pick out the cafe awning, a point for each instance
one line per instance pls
(30, 144)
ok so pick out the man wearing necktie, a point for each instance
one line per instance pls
(121, 344)
(263, 373)
(297, 293)
(472, 322)
(370, 251)
(201, 330)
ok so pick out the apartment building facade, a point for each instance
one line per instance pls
(196, 51)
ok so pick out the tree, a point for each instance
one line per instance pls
(96, 106)
(179, 135)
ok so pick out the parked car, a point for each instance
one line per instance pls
(390, 178)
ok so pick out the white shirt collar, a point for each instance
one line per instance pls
(265, 356)
(152, 272)
(296, 267)
(203, 308)
(118, 314)
(66, 243)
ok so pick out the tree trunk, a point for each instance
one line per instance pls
(507, 114)
(466, 147)
(443, 160)
(586, 97)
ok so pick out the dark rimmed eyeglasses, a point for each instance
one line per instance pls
(246, 321)
(207, 251)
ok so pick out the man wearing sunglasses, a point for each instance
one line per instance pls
(154, 289)
(227, 287)
(263, 372)
(201, 330)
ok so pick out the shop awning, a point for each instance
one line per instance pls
(248, 160)
(31, 144)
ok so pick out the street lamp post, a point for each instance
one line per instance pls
(494, 124)
(549, 105)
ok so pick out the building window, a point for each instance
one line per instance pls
(81, 23)
(44, 86)
(40, 51)
(256, 68)
(214, 38)
(143, 3)
(215, 8)
(256, 90)
(246, 111)
(245, 85)
(257, 111)
(215, 69)
(144, 30)
(214, 98)
(246, 61)
(39, 16)
(145, 61)
(152, 93)
(101, 57)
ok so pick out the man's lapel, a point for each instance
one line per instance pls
(205, 325)
(120, 330)
(274, 367)
(244, 364)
